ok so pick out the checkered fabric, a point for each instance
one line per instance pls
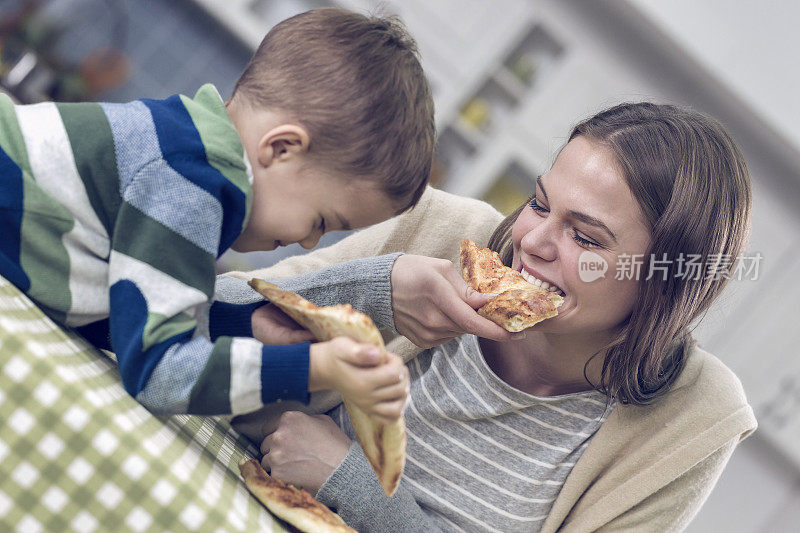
(77, 453)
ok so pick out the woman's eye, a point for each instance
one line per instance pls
(586, 243)
(535, 205)
(539, 208)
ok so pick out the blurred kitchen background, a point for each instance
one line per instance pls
(509, 78)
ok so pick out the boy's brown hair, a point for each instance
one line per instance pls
(356, 84)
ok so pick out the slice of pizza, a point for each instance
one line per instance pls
(295, 506)
(384, 445)
(519, 304)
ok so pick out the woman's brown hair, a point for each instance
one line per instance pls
(692, 184)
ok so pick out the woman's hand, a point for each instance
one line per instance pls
(273, 326)
(432, 303)
(304, 450)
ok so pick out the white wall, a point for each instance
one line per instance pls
(751, 45)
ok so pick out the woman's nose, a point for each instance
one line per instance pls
(540, 241)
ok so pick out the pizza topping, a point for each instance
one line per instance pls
(521, 303)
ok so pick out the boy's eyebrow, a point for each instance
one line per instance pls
(583, 217)
(343, 223)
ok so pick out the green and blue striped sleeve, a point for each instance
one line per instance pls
(185, 199)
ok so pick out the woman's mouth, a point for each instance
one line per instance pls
(543, 284)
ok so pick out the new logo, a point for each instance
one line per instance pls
(591, 266)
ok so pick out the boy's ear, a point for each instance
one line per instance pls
(281, 142)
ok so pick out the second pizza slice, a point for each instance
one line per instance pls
(384, 445)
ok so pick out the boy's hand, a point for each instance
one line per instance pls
(432, 303)
(273, 326)
(377, 383)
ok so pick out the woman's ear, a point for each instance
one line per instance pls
(281, 143)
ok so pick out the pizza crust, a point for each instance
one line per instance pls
(384, 445)
(295, 506)
(519, 304)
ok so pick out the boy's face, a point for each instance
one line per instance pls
(293, 203)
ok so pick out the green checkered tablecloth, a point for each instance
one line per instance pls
(77, 453)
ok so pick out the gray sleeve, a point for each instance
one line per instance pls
(363, 283)
(353, 490)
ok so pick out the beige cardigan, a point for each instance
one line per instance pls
(647, 468)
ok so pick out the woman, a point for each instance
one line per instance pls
(604, 417)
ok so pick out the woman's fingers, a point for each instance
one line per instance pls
(434, 304)
(464, 319)
(266, 444)
(296, 337)
(304, 450)
(270, 325)
(467, 294)
(425, 336)
(477, 325)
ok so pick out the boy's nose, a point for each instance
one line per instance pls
(311, 241)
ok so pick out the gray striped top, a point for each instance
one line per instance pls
(482, 455)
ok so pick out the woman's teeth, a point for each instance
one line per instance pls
(543, 284)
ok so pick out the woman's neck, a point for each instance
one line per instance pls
(546, 364)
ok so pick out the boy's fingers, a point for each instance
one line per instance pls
(398, 391)
(380, 378)
(385, 420)
(357, 353)
(387, 376)
(390, 411)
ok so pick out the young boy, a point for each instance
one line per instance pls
(112, 215)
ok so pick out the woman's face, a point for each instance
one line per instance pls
(583, 216)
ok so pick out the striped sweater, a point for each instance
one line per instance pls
(481, 455)
(112, 217)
